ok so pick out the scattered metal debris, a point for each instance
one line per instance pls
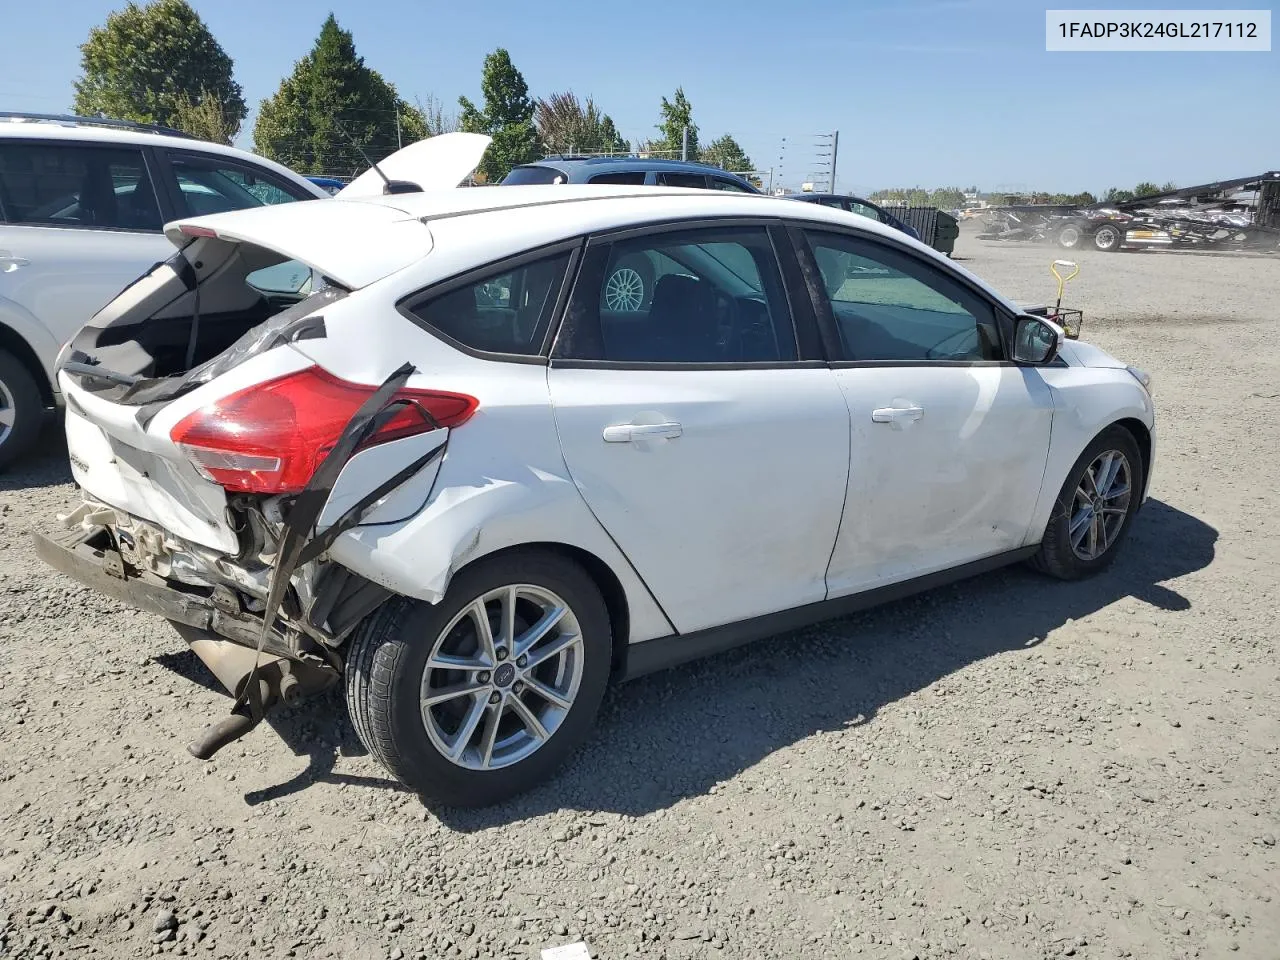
(1232, 215)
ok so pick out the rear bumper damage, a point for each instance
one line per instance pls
(92, 559)
(218, 620)
(268, 614)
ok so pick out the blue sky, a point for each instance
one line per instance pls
(923, 92)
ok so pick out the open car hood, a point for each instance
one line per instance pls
(437, 163)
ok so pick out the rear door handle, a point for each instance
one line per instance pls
(897, 414)
(626, 432)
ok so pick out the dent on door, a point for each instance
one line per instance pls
(946, 467)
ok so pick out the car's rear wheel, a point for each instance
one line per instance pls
(1094, 508)
(481, 696)
(21, 408)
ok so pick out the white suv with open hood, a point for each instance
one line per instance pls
(459, 478)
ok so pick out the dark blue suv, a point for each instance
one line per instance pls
(627, 170)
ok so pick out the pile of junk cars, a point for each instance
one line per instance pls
(1231, 215)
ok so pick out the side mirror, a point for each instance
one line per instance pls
(1035, 340)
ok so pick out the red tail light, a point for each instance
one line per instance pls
(271, 437)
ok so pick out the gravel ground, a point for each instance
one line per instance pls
(1011, 767)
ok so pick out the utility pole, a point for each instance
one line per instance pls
(399, 141)
(832, 140)
(835, 144)
(684, 143)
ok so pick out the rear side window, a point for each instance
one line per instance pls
(704, 296)
(695, 180)
(526, 176)
(66, 185)
(506, 312)
(632, 178)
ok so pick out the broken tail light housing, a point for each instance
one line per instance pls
(270, 438)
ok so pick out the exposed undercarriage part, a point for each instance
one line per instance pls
(1232, 215)
(186, 322)
(218, 604)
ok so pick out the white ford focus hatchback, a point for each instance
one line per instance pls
(473, 474)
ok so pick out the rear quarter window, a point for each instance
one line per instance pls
(506, 311)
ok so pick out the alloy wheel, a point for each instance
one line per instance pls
(1100, 505)
(8, 412)
(624, 290)
(502, 677)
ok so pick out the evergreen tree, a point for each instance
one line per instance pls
(330, 102)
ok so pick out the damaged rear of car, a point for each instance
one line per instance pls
(264, 434)
(210, 451)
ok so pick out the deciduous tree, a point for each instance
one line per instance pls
(727, 153)
(677, 117)
(158, 63)
(566, 124)
(506, 116)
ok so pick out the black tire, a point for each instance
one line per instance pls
(1070, 236)
(388, 657)
(21, 409)
(1057, 558)
(1108, 238)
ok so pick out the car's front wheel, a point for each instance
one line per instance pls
(1094, 508)
(481, 696)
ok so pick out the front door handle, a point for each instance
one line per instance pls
(626, 432)
(897, 414)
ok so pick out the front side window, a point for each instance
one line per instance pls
(67, 185)
(501, 312)
(889, 306)
(720, 183)
(862, 210)
(212, 186)
(704, 296)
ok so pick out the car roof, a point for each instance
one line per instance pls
(471, 226)
(818, 197)
(85, 131)
(622, 164)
